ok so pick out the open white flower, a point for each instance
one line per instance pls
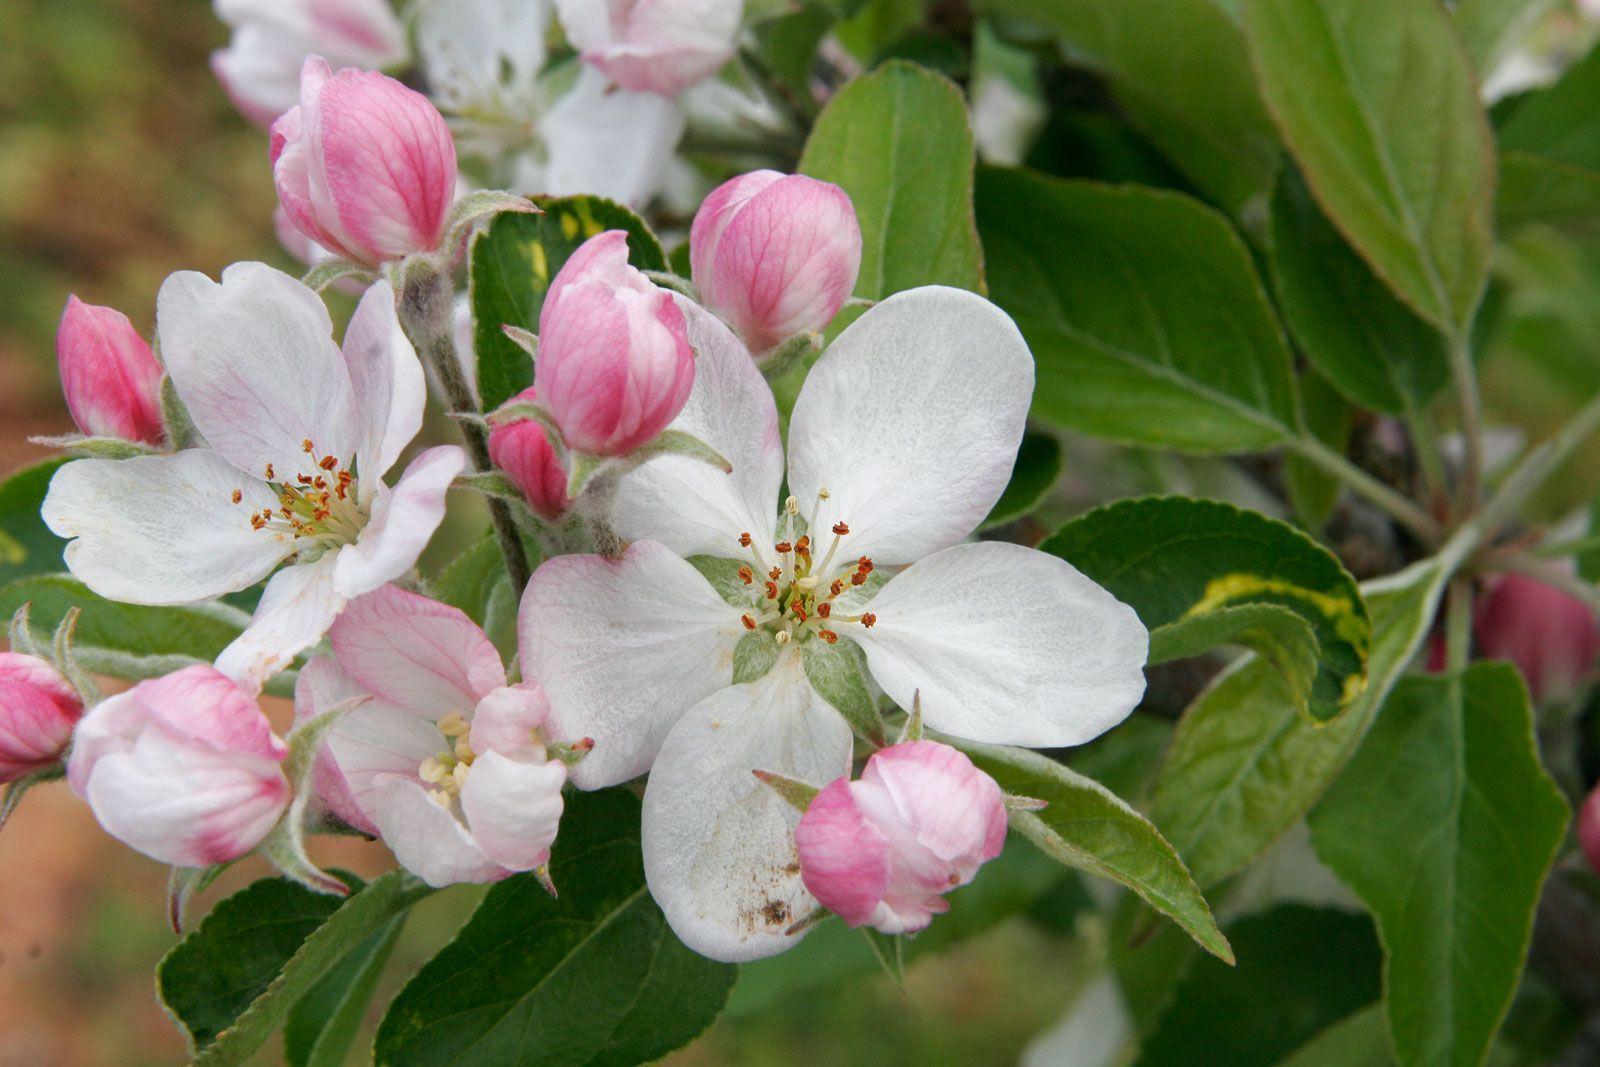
(298, 437)
(902, 440)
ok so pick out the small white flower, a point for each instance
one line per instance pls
(902, 439)
(299, 434)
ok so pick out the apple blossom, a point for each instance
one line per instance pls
(524, 453)
(184, 768)
(1550, 635)
(775, 255)
(38, 708)
(655, 46)
(446, 762)
(883, 850)
(364, 166)
(300, 435)
(615, 365)
(109, 376)
(260, 68)
(903, 437)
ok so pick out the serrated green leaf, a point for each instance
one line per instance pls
(1377, 103)
(26, 544)
(1177, 561)
(593, 976)
(1383, 356)
(512, 263)
(898, 141)
(1446, 825)
(1357, 1038)
(1329, 418)
(1279, 634)
(1244, 766)
(1560, 122)
(1086, 826)
(1036, 472)
(324, 1026)
(1144, 312)
(838, 673)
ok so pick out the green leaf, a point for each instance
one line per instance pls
(1446, 825)
(1329, 418)
(324, 1026)
(477, 583)
(1382, 356)
(1181, 73)
(512, 264)
(234, 979)
(788, 45)
(594, 976)
(1281, 635)
(26, 544)
(1377, 103)
(1491, 30)
(1538, 191)
(1087, 826)
(1244, 765)
(1179, 562)
(1561, 122)
(898, 141)
(1358, 1038)
(1300, 969)
(1036, 472)
(1123, 759)
(838, 673)
(1144, 312)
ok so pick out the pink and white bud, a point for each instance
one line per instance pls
(524, 454)
(775, 255)
(883, 850)
(260, 68)
(615, 365)
(653, 46)
(1550, 635)
(364, 166)
(38, 709)
(109, 376)
(1589, 828)
(184, 768)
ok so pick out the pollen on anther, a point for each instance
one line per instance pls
(841, 528)
(783, 547)
(307, 447)
(749, 623)
(328, 463)
(824, 609)
(236, 496)
(775, 574)
(772, 590)
(828, 636)
(746, 575)
(271, 474)
(867, 619)
(837, 587)
(858, 578)
(745, 540)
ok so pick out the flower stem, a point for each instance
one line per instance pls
(1407, 512)
(426, 313)
(1469, 407)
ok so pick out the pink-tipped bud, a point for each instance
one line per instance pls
(38, 709)
(615, 365)
(111, 379)
(1550, 635)
(183, 768)
(524, 454)
(775, 255)
(364, 166)
(1589, 828)
(653, 46)
(883, 850)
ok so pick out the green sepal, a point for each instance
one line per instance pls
(797, 794)
(330, 271)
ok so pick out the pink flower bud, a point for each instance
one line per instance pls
(775, 255)
(37, 711)
(183, 768)
(1589, 828)
(653, 46)
(615, 365)
(1550, 635)
(521, 450)
(111, 380)
(883, 850)
(364, 166)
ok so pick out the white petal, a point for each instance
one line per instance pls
(417, 653)
(1007, 645)
(911, 420)
(482, 55)
(428, 841)
(609, 142)
(296, 609)
(162, 529)
(719, 850)
(622, 648)
(387, 382)
(402, 523)
(253, 358)
(690, 506)
(374, 742)
(513, 808)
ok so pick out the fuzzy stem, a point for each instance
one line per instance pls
(1405, 511)
(1469, 406)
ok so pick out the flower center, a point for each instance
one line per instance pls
(446, 770)
(796, 599)
(320, 509)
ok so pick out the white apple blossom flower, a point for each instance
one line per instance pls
(902, 440)
(298, 435)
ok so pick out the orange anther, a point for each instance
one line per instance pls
(745, 540)
(236, 496)
(749, 623)
(307, 446)
(746, 575)
(868, 619)
(841, 528)
(824, 609)
(783, 546)
(828, 636)
(270, 474)
(836, 588)
(772, 590)
(858, 578)
(328, 463)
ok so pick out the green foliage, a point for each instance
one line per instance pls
(898, 141)
(1559, 123)
(1454, 872)
(1538, 191)
(324, 1026)
(513, 262)
(590, 977)
(26, 544)
(1200, 573)
(1144, 313)
(477, 583)
(1357, 1038)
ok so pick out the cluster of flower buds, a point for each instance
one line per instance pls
(1549, 634)
(38, 710)
(109, 376)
